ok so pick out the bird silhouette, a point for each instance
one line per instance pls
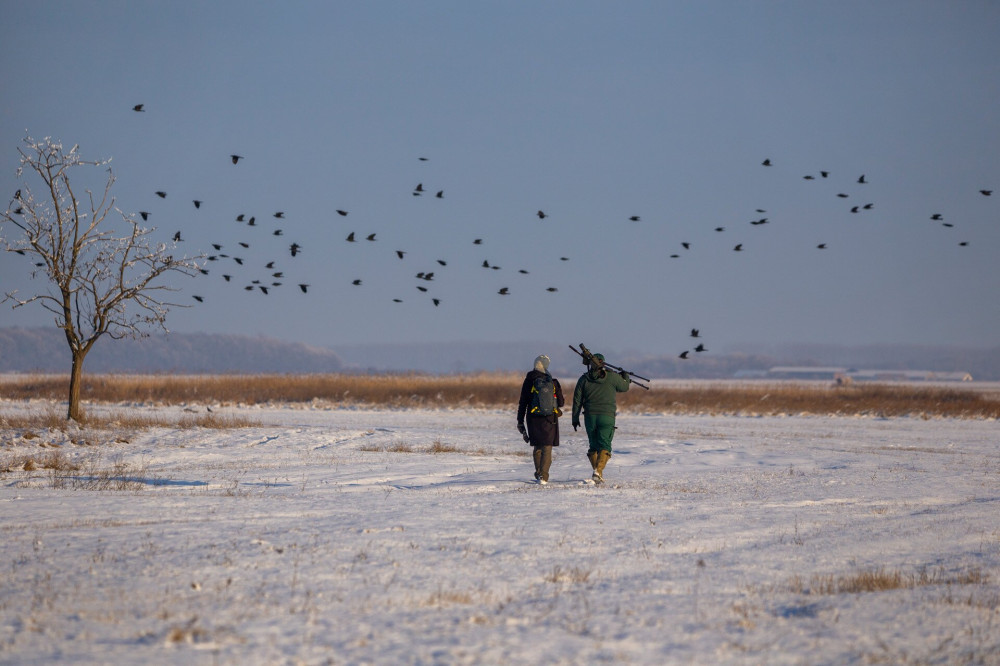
(161, 194)
(280, 214)
(766, 162)
(269, 265)
(986, 193)
(139, 107)
(356, 283)
(239, 218)
(177, 237)
(342, 213)
(419, 288)
(227, 277)
(370, 237)
(144, 215)
(277, 232)
(440, 194)
(868, 206)
(442, 262)
(197, 203)
(303, 287)
(738, 248)
(486, 264)
(861, 180)
(238, 260)
(350, 237)
(235, 158)
(262, 288)
(216, 246)
(842, 195)
(199, 299)
(551, 289)
(700, 348)
(436, 301)
(683, 354)
(825, 174)
(936, 216)
(686, 246)
(821, 246)
(522, 271)
(695, 333)
(809, 177)
(400, 253)
(252, 221)
(541, 215)
(720, 228)
(504, 291)
(397, 300)
(294, 248)
(634, 218)
(243, 245)
(478, 241)
(964, 244)
(855, 209)
(418, 190)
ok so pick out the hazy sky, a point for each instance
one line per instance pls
(592, 112)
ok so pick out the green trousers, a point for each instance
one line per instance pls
(600, 431)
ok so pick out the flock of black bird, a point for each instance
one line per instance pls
(274, 278)
(266, 283)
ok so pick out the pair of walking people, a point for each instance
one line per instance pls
(595, 395)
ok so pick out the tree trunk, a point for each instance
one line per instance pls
(75, 379)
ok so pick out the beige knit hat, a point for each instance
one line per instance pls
(542, 363)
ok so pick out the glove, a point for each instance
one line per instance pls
(524, 433)
(624, 374)
(576, 424)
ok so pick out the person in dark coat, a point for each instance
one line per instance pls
(542, 430)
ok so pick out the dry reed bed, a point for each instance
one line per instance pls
(500, 391)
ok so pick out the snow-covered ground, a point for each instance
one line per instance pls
(418, 537)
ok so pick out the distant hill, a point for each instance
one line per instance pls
(45, 350)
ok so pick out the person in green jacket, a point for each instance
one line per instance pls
(596, 394)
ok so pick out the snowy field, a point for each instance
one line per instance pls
(418, 537)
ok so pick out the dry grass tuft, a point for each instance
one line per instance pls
(882, 580)
(570, 575)
(120, 476)
(50, 460)
(439, 447)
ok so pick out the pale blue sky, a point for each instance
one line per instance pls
(590, 111)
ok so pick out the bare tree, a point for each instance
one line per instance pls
(101, 277)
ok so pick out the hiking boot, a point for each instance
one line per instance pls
(602, 460)
(597, 479)
(543, 482)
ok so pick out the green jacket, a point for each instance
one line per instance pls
(595, 393)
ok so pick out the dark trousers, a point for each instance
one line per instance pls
(543, 459)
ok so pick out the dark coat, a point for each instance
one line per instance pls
(543, 430)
